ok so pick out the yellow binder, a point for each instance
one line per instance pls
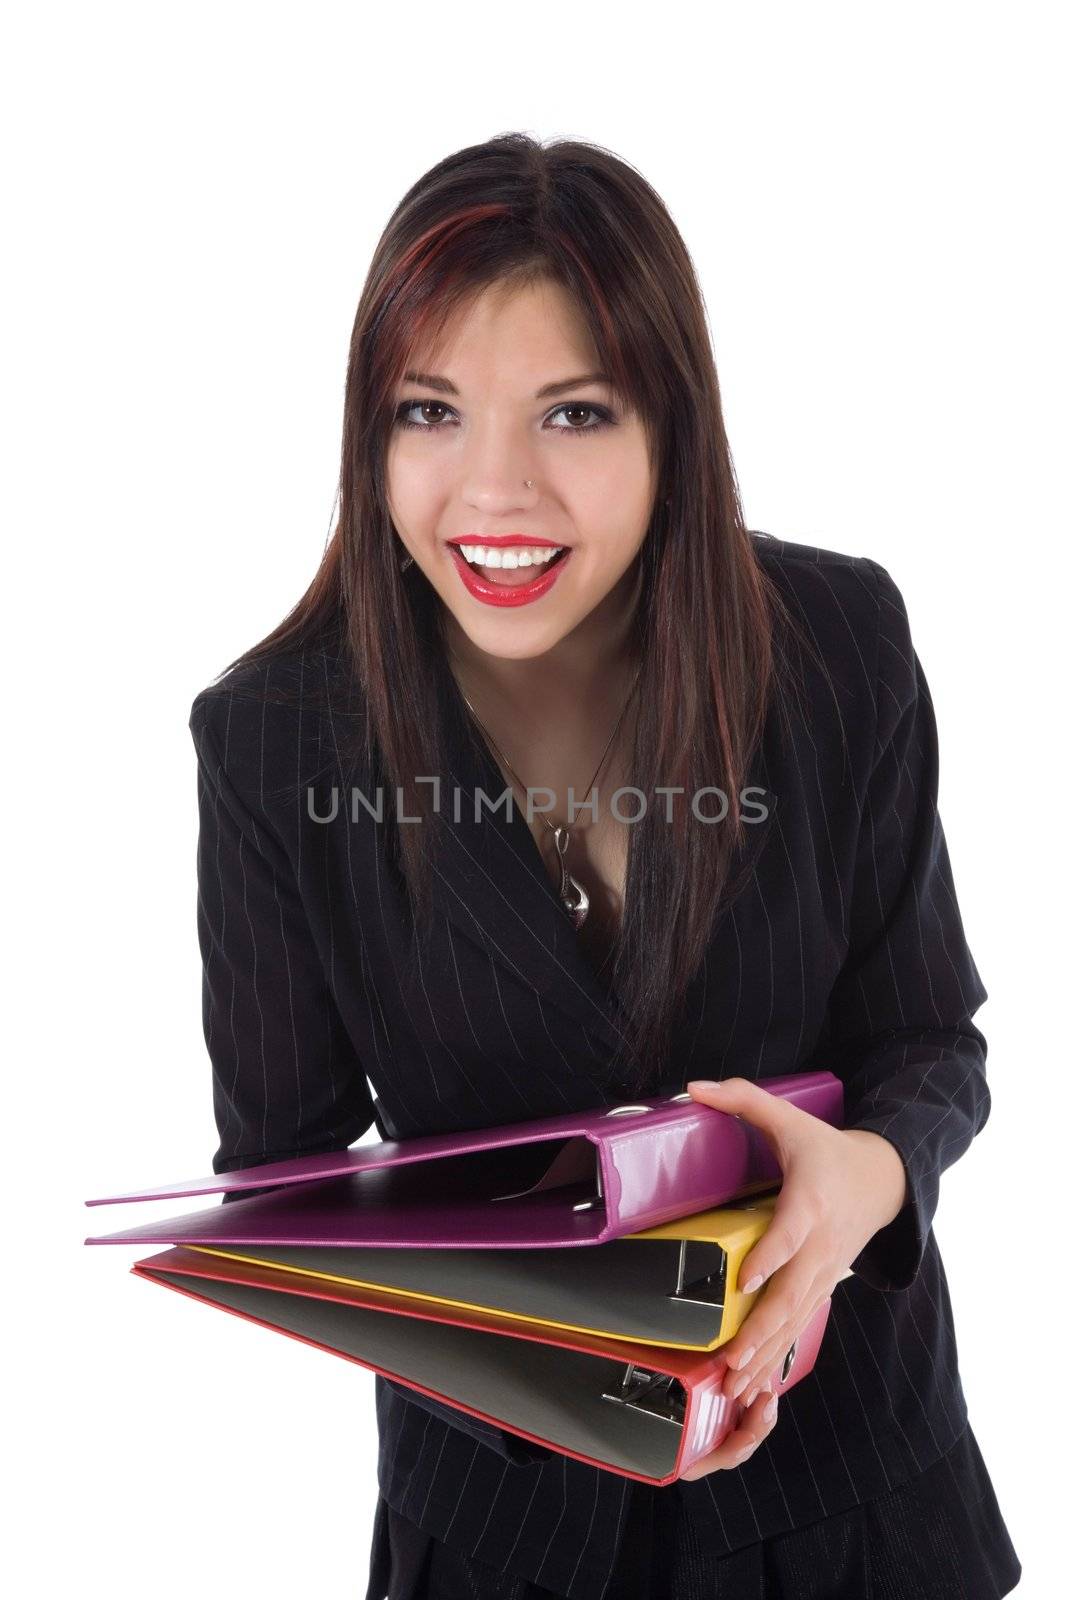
(674, 1285)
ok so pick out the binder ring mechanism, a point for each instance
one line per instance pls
(598, 1198)
(659, 1395)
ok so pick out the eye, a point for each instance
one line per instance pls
(603, 415)
(404, 420)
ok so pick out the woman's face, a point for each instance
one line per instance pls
(503, 408)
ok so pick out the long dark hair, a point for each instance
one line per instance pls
(515, 210)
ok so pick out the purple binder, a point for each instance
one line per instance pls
(580, 1178)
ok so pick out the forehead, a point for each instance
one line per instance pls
(508, 328)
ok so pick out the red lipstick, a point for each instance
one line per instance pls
(503, 541)
(519, 593)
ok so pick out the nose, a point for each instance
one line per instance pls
(499, 477)
(499, 500)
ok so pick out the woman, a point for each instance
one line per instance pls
(762, 887)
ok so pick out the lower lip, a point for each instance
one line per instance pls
(516, 594)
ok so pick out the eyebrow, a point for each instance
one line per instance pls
(433, 380)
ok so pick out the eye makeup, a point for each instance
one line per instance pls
(605, 417)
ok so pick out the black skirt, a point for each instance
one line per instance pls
(940, 1536)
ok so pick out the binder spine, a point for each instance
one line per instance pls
(711, 1417)
(677, 1168)
(658, 1169)
(708, 1422)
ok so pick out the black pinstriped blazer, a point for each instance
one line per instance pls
(844, 951)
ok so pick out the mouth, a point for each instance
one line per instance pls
(509, 575)
(509, 566)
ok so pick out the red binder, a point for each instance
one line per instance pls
(644, 1411)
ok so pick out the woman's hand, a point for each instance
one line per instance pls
(839, 1188)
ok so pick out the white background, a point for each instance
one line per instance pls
(191, 197)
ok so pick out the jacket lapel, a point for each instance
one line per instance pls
(496, 890)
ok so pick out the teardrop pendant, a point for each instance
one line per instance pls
(571, 892)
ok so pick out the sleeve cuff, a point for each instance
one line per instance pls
(891, 1258)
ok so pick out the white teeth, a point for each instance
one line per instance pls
(480, 555)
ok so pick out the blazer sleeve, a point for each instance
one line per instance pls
(900, 1030)
(286, 1079)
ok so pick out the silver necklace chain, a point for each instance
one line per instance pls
(573, 894)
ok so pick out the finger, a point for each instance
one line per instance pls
(768, 1371)
(738, 1446)
(787, 1233)
(743, 1387)
(769, 1377)
(762, 1404)
(789, 1290)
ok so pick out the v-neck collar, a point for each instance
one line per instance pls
(497, 887)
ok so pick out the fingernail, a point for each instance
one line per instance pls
(753, 1284)
(770, 1408)
(746, 1358)
(747, 1452)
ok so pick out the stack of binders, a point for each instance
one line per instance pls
(567, 1280)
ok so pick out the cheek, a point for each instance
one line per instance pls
(614, 524)
(610, 493)
(414, 490)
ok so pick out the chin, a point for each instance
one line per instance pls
(513, 643)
